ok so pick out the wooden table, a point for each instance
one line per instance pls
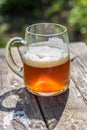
(20, 110)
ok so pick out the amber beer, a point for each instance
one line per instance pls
(46, 69)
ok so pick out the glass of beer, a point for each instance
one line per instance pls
(46, 58)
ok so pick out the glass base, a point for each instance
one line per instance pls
(47, 94)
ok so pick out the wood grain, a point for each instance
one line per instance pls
(15, 98)
(79, 68)
(20, 110)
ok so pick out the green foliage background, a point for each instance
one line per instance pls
(15, 15)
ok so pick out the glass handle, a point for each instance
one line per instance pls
(14, 42)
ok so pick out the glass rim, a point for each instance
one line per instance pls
(48, 35)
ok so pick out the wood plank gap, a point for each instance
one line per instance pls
(73, 58)
(42, 113)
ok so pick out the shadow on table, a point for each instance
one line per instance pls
(32, 111)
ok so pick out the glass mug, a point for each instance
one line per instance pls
(46, 58)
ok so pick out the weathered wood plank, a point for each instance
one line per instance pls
(79, 68)
(66, 110)
(18, 109)
(74, 116)
(2, 69)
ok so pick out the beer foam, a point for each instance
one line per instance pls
(45, 55)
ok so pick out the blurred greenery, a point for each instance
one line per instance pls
(15, 15)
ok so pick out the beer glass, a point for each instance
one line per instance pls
(46, 58)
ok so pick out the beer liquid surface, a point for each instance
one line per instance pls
(46, 68)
